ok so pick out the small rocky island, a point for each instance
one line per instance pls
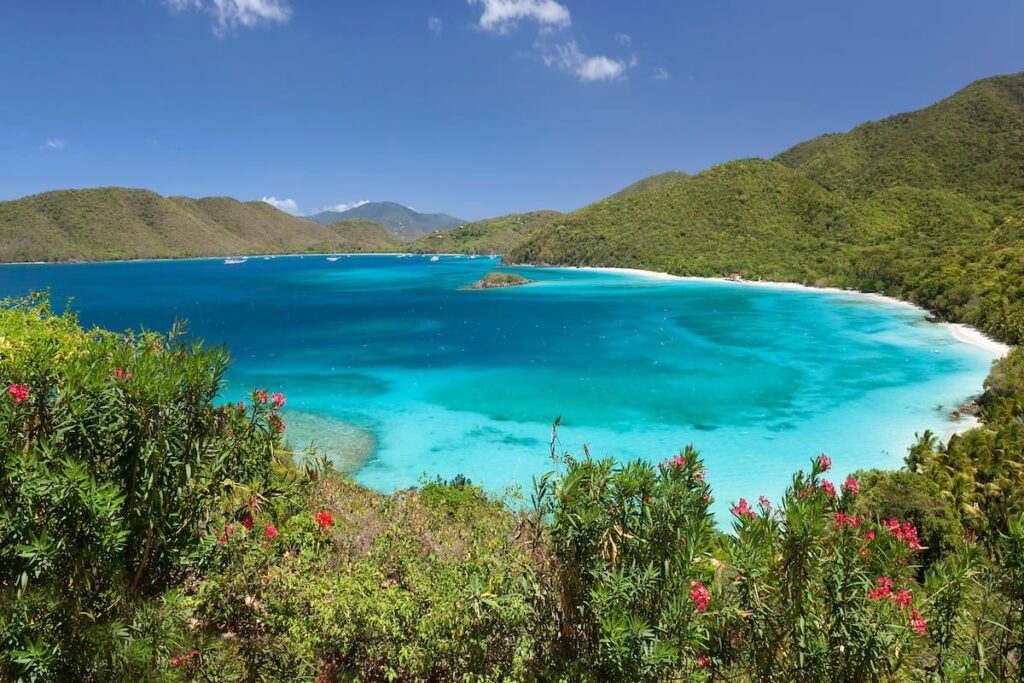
(496, 280)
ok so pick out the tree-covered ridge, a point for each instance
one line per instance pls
(971, 142)
(358, 235)
(925, 206)
(120, 223)
(401, 220)
(650, 182)
(488, 236)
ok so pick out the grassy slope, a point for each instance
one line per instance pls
(489, 236)
(120, 223)
(357, 235)
(925, 205)
(650, 182)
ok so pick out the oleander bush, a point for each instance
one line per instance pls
(149, 531)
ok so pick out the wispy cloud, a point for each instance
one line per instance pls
(434, 25)
(569, 58)
(231, 14)
(54, 144)
(555, 45)
(287, 205)
(501, 16)
(341, 208)
(660, 73)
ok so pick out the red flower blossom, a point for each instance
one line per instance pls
(902, 599)
(870, 535)
(703, 662)
(324, 519)
(918, 623)
(699, 595)
(677, 461)
(247, 521)
(19, 392)
(744, 510)
(830, 489)
(765, 503)
(852, 486)
(864, 553)
(905, 532)
(122, 374)
(824, 462)
(260, 395)
(851, 521)
(883, 590)
(277, 400)
(175, 661)
(270, 531)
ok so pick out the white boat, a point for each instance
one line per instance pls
(233, 261)
(435, 257)
(333, 258)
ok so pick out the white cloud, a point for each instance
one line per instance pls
(501, 16)
(287, 205)
(660, 73)
(231, 14)
(569, 58)
(434, 25)
(341, 208)
(54, 143)
(623, 39)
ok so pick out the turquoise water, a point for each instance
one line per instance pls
(397, 371)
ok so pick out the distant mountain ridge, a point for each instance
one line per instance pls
(401, 220)
(121, 223)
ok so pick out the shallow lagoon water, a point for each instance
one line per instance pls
(389, 358)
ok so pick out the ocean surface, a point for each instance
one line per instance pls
(396, 371)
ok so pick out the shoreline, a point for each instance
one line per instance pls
(959, 331)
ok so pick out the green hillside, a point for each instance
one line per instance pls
(489, 236)
(927, 206)
(356, 235)
(121, 223)
(650, 182)
(401, 220)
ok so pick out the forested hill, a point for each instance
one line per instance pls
(405, 222)
(488, 236)
(927, 206)
(120, 223)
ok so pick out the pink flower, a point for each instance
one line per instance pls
(247, 521)
(905, 532)
(902, 599)
(277, 400)
(122, 374)
(743, 510)
(260, 395)
(830, 489)
(824, 462)
(883, 590)
(864, 553)
(703, 662)
(270, 531)
(699, 595)
(765, 503)
(175, 661)
(677, 461)
(324, 519)
(19, 392)
(851, 486)
(869, 536)
(918, 623)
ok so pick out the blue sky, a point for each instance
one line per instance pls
(471, 107)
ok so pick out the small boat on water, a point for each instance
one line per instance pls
(333, 258)
(435, 257)
(233, 261)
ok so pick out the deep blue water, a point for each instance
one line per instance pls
(387, 362)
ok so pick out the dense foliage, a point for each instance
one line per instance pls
(402, 221)
(149, 534)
